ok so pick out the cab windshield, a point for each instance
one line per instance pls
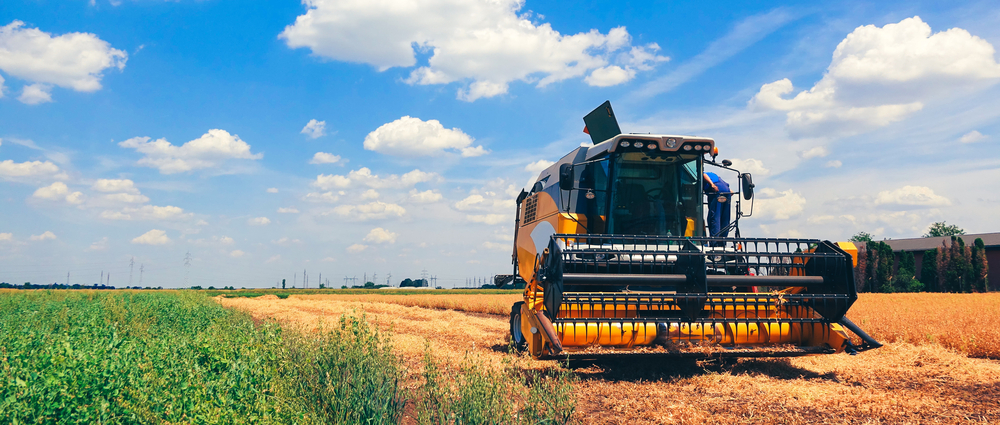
(656, 193)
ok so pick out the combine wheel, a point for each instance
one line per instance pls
(520, 342)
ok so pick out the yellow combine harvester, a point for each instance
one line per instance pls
(612, 244)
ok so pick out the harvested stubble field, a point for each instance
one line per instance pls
(924, 374)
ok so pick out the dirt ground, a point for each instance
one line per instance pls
(899, 383)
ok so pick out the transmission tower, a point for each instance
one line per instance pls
(131, 265)
(141, 269)
(187, 269)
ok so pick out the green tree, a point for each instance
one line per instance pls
(980, 268)
(905, 280)
(928, 270)
(861, 237)
(282, 283)
(942, 228)
(879, 267)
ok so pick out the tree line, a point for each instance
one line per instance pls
(951, 267)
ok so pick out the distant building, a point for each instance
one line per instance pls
(918, 245)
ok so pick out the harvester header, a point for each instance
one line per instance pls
(618, 258)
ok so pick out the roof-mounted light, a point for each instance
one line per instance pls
(671, 143)
(624, 144)
(687, 147)
(638, 144)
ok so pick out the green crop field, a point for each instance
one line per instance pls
(175, 357)
(180, 357)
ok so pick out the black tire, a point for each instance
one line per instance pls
(516, 336)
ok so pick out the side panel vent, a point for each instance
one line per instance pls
(530, 205)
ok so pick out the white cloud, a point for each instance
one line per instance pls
(538, 166)
(370, 194)
(773, 205)
(152, 237)
(35, 94)
(147, 212)
(272, 190)
(44, 236)
(356, 248)
(115, 185)
(470, 202)
(881, 75)
(328, 197)
(5, 237)
(409, 136)
(369, 211)
(225, 240)
(497, 246)
(834, 164)
(324, 158)
(285, 241)
(74, 60)
(259, 221)
(126, 198)
(236, 253)
(364, 177)
(289, 210)
(380, 235)
(486, 43)
(101, 245)
(752, 166)
(425, 197)
(609, 76)
(273, 259)
(314, 129)
(10, 169)
(329, 260)
(206, 151)
(58, 191)
(973, 137)
(911, 196)
(1, 88)
(816, 152)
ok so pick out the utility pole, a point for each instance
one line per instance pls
(102, 276)
(109, 279)
(131, 265)
(387, 279)
(321, 278)
(375, 278)
(295, 278)
(67, 278)
(305, 279)
(141, 268)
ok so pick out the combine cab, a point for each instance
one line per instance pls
(612, 243)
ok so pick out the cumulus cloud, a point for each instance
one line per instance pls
(74, 60)
(369, 211)
(328, 197)
(314, 129)
(356, 248)
(6, 237)
(409, 136)
(152, 237)
(126, 198)
(882, 75)
(259, 221)
(207, 151)
(285, 241)
(380, 235)
(911, 197)
(490, 218)
(773, 205)
(609, 76)
(236, 253)
(101, 245)
(425, 197)
(273, 259)
(272, 190)
(752, 166)
(147, 212)
(289, 210)
(35, 94)
(47, 236)
(834, 164)
(488, 44)
(496, 246)
(816, 152)
(58, 191)
(972, 137)
(538, 166)
(115, 185)
(364, 177)
(28, 169)
(324, 158)
(370, 194)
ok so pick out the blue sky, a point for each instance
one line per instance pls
(150, 129)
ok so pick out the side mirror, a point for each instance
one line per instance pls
(727, 163)
(566, 176)
(747, 185)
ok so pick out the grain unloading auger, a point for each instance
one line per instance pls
(611, 240)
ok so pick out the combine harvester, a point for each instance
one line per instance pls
(612, 243)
